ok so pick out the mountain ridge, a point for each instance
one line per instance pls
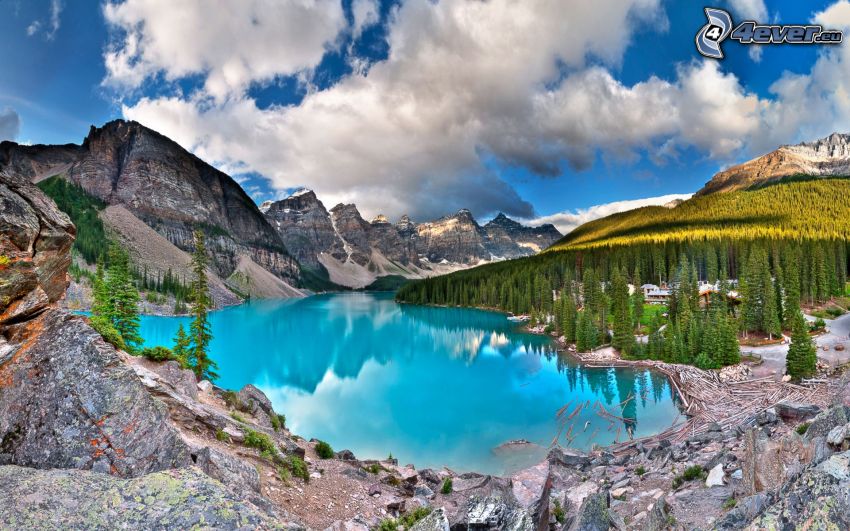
(354, 252)
(828, 156)
(169, 189)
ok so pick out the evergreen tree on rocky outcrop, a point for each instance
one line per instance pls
(182, 346)
(801, 361)
(199, 329)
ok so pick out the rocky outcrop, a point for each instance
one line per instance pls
(825, 157)
(35, 243)
(68, 402)
(171, 190)
(74, 499)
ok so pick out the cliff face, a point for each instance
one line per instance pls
(825, 157)
(458, 238)
(171, 190)
(506, 237)
(35, 243)
(355, 251)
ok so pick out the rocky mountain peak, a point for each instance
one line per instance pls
(380, 218)
(503, 221)
(829, 156)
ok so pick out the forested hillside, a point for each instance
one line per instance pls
(799, 207)
(774, 248)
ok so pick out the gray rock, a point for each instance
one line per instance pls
(346, 455)
(767, 417)
(796, 412)
(715, 476)
(593, 515)
(744, 511)
(838, 434)
(182, 380)
(817, 499)
(494, 513)
(423, 491)
(71, 402)
(233, 472)
(568, 458)
(75, 499)
(827, 420)
(436, 521)
(659, 518)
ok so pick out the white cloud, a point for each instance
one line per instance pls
(568, 220)
(750, 10)
(53, 24)
(233, 43)
(366, 13)
(10, 124)
(465, 82)
(32, 29)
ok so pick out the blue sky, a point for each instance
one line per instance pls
(372, 102)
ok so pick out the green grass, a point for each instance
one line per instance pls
(803, 428)
(771, 212)
(406, 521)
(447, 486)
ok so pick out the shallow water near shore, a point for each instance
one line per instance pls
(433, 386)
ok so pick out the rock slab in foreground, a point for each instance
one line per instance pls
(76, 499)
(68, 401)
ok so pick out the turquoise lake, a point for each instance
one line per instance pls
(433, 386)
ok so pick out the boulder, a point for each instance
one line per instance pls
(346, 455)
(233, 472)
(838, 435)
(767, 463)
(817, 499)
(825, 421)
(715, 476)
(744, 511)
(593, 513)
(568, 458)
(35, 243)
(182, 380)
(76, 499)
(659, 517)
(68, 401)
(796, 412)
(435, 521)
(495, 513)
(252, 400)
(531, 489)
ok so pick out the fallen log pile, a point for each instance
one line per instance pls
(706, 399)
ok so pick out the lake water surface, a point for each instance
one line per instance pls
(432, 386)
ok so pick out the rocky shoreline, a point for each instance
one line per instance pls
(93, 438)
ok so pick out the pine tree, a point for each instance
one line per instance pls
(124, 298)
(637, 307)
(624, 338)
(801, 361)
(182, 347)
(199, 329)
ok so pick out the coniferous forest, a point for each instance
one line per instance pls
(581, 291)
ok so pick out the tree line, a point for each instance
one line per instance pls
(586, 293)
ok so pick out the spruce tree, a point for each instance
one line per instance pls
(124, 298)
(182, 347)
(801, 361)
(624, 338)
(199, 329)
